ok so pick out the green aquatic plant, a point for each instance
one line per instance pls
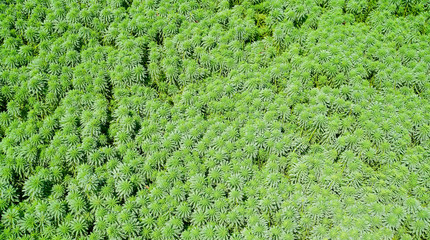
(186, 119)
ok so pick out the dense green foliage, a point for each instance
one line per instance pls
(214, 119)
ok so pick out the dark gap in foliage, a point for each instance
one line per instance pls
(298, 23)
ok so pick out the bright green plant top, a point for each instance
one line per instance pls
(215, 119)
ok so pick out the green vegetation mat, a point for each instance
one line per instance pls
(215, 119)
